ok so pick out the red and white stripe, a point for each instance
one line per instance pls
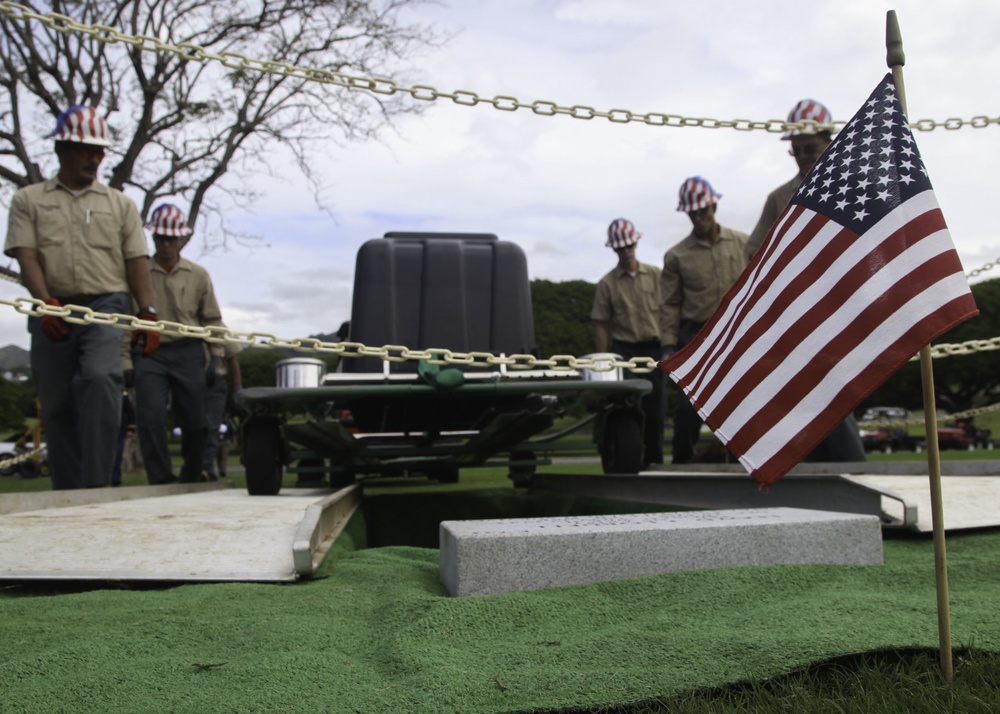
(818, 320)
(168, 220)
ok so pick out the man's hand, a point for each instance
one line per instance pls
(54, 327)
(146, 341)
(668, 352)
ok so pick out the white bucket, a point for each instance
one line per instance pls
(603, 359)
(300, 372)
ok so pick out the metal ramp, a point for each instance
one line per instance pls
(170, 533)
(899, 495)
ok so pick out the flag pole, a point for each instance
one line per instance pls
(895, 59)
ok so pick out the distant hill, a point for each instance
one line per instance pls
(14, 359)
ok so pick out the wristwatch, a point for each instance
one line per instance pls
(149, 310)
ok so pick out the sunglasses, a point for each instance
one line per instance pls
(165, 239)
(700, 212)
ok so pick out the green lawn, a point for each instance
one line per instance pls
(376, 633)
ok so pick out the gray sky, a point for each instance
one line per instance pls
(552, 184)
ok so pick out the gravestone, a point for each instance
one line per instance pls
(495, 556)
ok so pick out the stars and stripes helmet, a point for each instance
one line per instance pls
(622, 234)
(81, 125)
(807, 109)
(168, 220)
(696, 193)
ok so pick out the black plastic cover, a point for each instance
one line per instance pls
(463, 292)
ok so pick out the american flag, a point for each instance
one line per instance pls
(856, 275)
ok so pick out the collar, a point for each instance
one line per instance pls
(619, 271)
(181, 264)
(724, 234)
(54, 183)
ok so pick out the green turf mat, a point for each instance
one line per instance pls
(378, 634)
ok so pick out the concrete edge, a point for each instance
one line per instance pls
(321, 525)
(43, 500)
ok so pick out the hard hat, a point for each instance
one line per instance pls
(168, 220)
(696, 193)
(81, 125)
(622, 234)
(807, 109)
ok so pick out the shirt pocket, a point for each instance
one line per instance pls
(693, 279)
(53, 228)
(103, 230)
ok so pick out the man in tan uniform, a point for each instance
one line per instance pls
(806, 146)
(79, 242)
(177, 372)
(625, 313)
(844, 443)
(697, 272)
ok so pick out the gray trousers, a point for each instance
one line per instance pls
(176, 372)
(79, 385)
(215, 411)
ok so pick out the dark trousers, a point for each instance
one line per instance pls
(79, 383)
(215, 412)
(843, 444)
(176, 372)
(653, 404)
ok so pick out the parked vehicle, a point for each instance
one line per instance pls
(885, 414)
(964, 434)
(887, 440)
(32, 467)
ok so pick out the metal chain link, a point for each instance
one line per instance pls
(984, 269)
(916, 421)
(423, 92)
(81, 315)
(963, 348)
(398, 353)
(21, 458)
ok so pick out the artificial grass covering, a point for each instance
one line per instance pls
(377, 633)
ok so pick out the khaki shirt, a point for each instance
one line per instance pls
(695, 276)
(629, 304)
(82, 241)
(773, 206)
(185, 295)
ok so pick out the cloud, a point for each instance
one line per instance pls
(552, 184)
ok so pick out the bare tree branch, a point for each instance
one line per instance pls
(185, 128)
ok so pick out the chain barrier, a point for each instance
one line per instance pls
(916, 421)
(423, 92)
(21, 458)
(984, 269)
(81, 315)
(397, 353)
(962, 348)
